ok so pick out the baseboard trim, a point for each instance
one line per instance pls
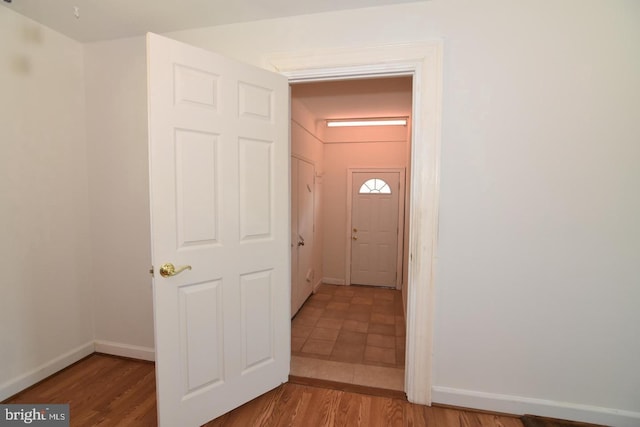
(125, 350)
(524, 405)
(45, 370)
(333, 281)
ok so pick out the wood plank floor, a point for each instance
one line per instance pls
(110, 391)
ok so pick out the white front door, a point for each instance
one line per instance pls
(374, 228)
(302, 235)
(219, 170)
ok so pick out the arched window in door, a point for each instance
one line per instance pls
(375, 186)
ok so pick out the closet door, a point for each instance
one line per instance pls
(302, 199)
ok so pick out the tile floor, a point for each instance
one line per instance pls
(353, 334)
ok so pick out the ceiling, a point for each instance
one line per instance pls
(109, 19)
(363, 98)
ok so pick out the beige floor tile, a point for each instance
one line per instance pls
(377, 340)
(344, 292)
(360, 308)
(348, 352)
(301, 331)
(317, 347)
(386, 319)
(384, 294)
(335, 371)
(401, 330)
(355, 326)
(329, 323)
(325, 334)
(335, 314)
(297, 343)
(379, 355)
(308, 311)
(378, 376)
(317, 303)
(302, 366)
(352, 337)
(338, 306)
(343, 329)
(361, 317)
(362, 300)
(383, 309)
(379, 328)
(301, 319)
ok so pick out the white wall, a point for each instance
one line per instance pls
(539, 247)
(119, 180)
(45, 292)
(305, 144)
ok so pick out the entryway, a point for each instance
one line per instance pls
(353, 335)
(352, 328)
(422, 61)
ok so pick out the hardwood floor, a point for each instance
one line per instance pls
(110, 391)
(305, 406)
(101, 391)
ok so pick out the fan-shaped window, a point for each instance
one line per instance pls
(375, 186)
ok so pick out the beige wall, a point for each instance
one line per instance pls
(305, 144)
(537, 263)
(338, 159)
(45, 286)
(119, 180)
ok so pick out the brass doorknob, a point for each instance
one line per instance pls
(168, 269)
(354, 237)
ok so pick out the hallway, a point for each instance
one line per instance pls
(350, 334)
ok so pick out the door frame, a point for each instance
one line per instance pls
(401, 213)
(423, 61)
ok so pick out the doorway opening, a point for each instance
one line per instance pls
(347, 233)
(424, 62)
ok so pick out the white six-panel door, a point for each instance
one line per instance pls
(219, 162)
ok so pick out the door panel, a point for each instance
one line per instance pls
(256, 190)
(219, 161)
(374, 231)
(197, 207)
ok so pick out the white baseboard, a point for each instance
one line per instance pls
(518, 405)
(125, 350)
(16, 385)
(333, 281)
(316, 286)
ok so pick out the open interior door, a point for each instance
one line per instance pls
(219, 181)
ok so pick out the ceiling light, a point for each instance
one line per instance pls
(367, 122)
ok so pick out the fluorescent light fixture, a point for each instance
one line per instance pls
(366, 122)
